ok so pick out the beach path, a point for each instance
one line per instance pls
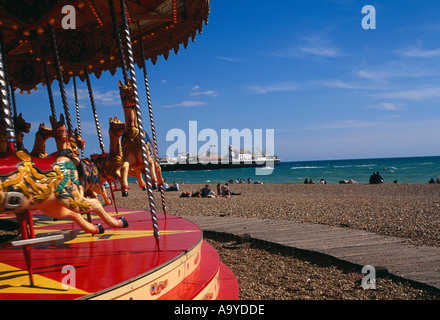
(415, 263)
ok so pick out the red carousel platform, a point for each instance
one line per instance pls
(120, 264)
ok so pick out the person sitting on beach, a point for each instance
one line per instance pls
(376, 178)
(165, 185)
(226, 193)
(229, 192)
(205, 191)
(306, 181)
(174, 187)
(219, 189)
(311, 181)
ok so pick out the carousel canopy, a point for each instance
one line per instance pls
(162, 25)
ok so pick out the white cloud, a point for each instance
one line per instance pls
(412, 95)
(387, 106)
(318, 45)
(279, 87)
(228, 59)
(418, 52)
(314, 45)
(88, 127)
(321, 51)
(347, 124)
(393, 70)
(211, 93)
(186, 104)
(106, 98)
(339, 84)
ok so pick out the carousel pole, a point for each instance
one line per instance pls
(139, 119)
(60, 77)
(4, 98)
(95, 114)
(25, 217)
(153, 128)
(117, 36)
(78, 119)
(14, 105)
(98, 129)
(49, 90)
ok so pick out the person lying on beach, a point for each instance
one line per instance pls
(188, 194)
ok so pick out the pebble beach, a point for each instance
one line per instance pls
(410, 211)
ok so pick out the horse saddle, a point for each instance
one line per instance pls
(9, 164)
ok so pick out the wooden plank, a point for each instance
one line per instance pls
(356, 246)
(326, 243)
(235, 227)
(366, 248)
(286, 238)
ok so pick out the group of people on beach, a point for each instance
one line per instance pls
(223, 191)
(166, 187)
(376, 178)
(307, 181)
(242, 181)
(436, 180)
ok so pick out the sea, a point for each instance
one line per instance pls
(402, 170)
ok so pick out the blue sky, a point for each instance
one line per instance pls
(307, 69)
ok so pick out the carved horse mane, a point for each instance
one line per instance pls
(55, 192)
(90, 183)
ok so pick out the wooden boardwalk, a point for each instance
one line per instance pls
(420, 264)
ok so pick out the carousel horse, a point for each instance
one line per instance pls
(50, 185)
(21, 127)
(109, 164)
(39, 149)
(90, 184)
(133, 164)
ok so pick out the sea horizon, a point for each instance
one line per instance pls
(418, 169)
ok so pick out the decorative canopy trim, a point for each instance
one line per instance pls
(162, 25)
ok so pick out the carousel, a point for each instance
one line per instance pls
(61, 235)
